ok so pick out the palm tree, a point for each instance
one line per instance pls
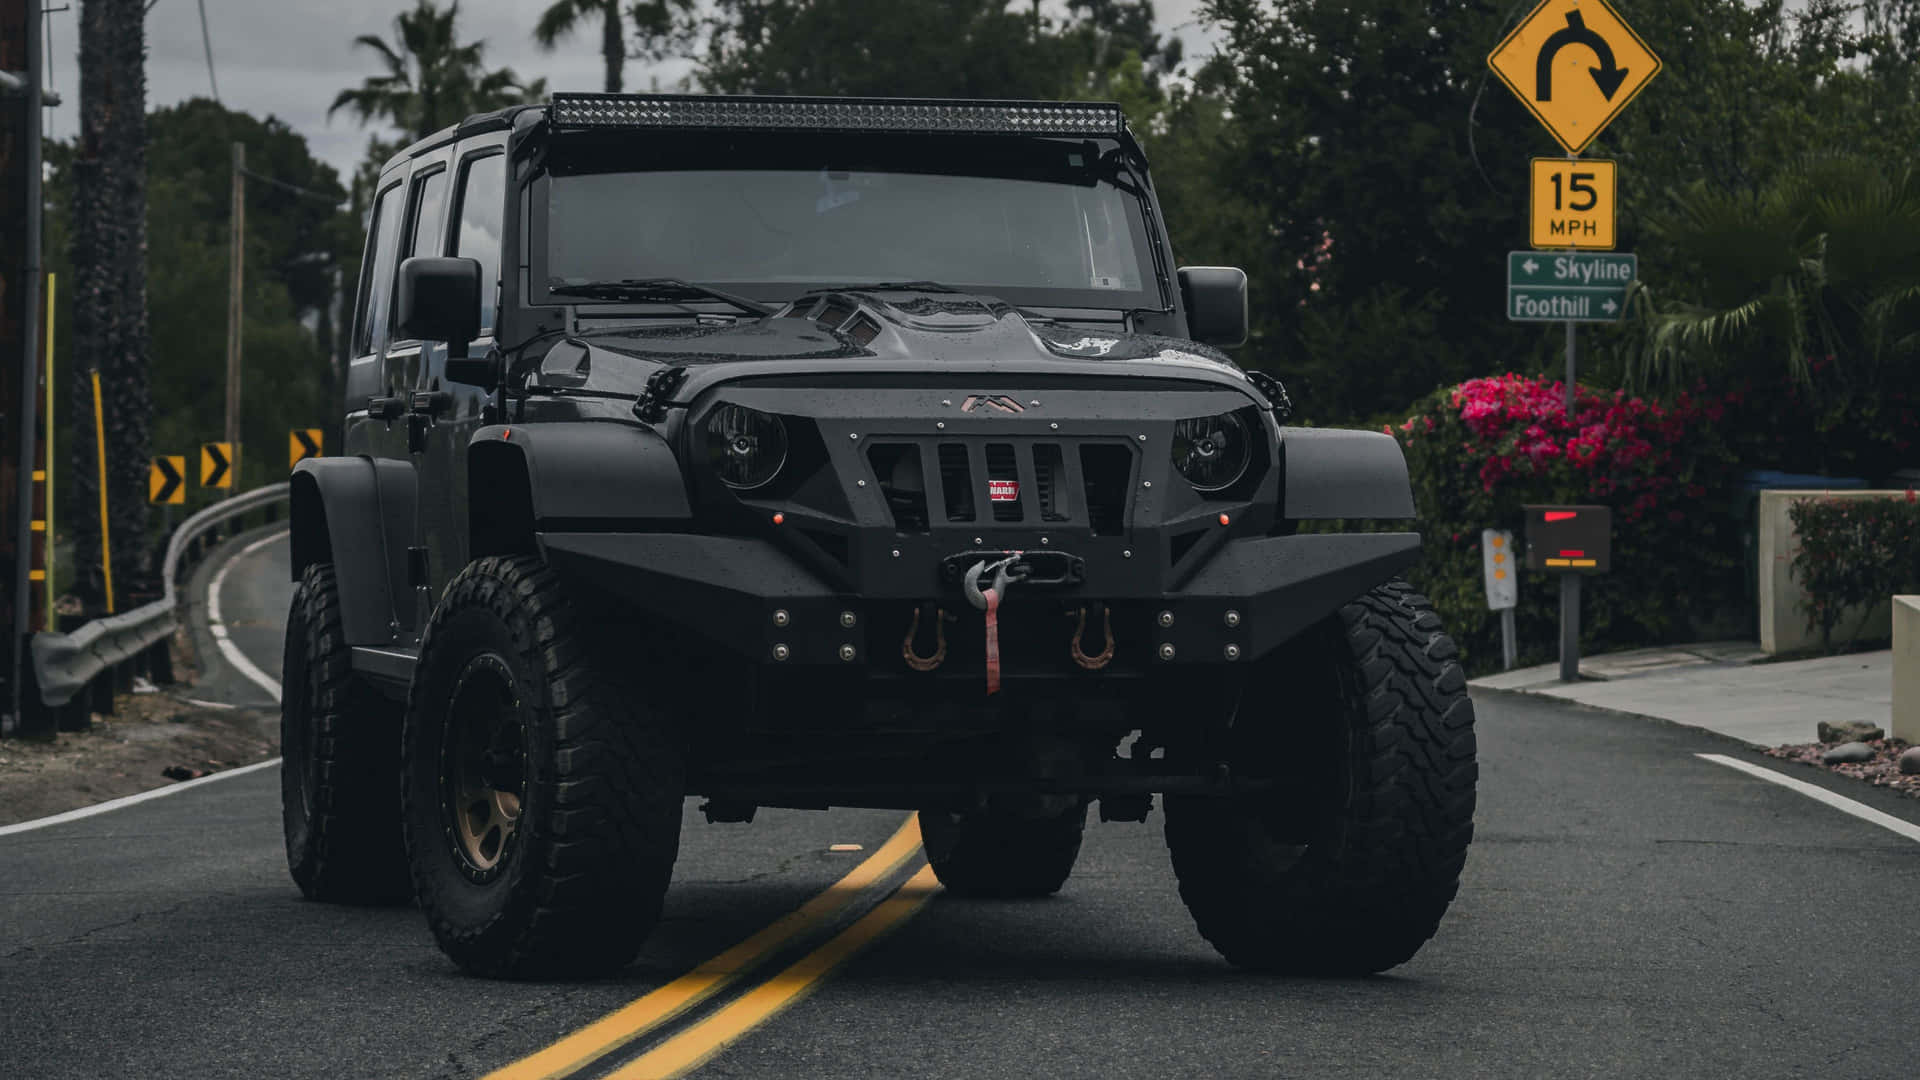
(1822, 263)
(564, 16)
(431, 80)
(110, 332)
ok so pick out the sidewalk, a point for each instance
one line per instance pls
(1718, 686)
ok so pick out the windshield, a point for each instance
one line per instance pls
(1034, 223)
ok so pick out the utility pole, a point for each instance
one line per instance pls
(20, 69)
(236, 284)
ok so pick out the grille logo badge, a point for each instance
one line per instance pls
(996, 402)
(1003, 491)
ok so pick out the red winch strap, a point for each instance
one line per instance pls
(993, 640)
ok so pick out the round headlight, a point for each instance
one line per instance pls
(745, 446)
(1212, 452)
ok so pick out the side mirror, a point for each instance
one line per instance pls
(439, 300)
(1216, 302)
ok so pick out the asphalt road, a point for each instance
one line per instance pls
(1629, 909)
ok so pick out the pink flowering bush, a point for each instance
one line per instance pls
(1480, 451)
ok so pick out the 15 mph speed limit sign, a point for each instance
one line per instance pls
(1574, 203)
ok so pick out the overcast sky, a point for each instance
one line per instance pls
(288, 58)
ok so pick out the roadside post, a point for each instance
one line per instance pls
(1503, 585)
(1570, 541)
(1575, 64)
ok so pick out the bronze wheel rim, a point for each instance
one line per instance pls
(484, 773)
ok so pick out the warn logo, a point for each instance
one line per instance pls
(996, 403)
(1003, 491)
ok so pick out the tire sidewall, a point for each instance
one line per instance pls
(472, 912)
(299, 761)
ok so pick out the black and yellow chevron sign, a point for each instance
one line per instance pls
(303, 443)
(216, 465)
(167, 480)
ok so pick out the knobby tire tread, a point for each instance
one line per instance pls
(349, 849)
(1371, 888)
(600, 828)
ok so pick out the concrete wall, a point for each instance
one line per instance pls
(1783, 621)
(1906, 669)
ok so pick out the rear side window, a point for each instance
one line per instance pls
(429, 202)
(376, 274)
(483, 184)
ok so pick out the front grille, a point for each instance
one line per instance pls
(1003, 470)
(956, 481)
(1039, 481)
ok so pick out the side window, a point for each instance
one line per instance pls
(376, 274)
(483, 184)
(429, 200)
(423, 225)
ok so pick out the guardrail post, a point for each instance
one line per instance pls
(77, 714)
(160, 662)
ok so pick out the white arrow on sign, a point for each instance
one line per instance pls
(1530, 266)
(1610, 307)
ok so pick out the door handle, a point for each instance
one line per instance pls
(386, 408)
(431, 402)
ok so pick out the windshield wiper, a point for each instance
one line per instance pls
(881, 286)
(659, 290)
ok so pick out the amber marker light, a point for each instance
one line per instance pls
(505, 434)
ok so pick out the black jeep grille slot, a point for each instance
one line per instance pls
(1002, 469)
(956, 482)
(903, 482)
(1049, 481)
(1107, 470)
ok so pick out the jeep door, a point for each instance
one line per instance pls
(473, 231)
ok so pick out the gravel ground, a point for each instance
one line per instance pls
(1882, 771)
(151, 740)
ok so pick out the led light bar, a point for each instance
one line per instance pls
(575, 112)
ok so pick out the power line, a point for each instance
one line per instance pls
(206, 40)
(295, 188)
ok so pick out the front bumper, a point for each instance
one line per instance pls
(758, 600)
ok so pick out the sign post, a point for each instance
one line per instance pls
(1575, 64)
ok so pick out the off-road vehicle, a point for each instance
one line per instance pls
(793, 452)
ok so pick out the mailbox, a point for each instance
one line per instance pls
(1570, 539)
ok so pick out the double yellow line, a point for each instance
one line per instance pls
(695, 1044)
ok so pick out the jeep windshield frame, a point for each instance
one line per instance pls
(762, 189)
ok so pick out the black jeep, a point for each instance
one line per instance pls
(799, 452)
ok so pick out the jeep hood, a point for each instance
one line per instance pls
(893, 334)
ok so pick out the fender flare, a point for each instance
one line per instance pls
(357, 513)
(1336, 473)
(571, 475)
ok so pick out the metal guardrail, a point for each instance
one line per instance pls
(66, 663)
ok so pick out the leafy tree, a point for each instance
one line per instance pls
(1367, 136)
(431, 80)
(903, 48)
(294, 230)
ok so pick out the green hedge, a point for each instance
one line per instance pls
(1480, 451)
(1854, 554)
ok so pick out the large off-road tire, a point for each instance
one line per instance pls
(1000, 855)
(1347, 867)
(340, 760)
(543, 795)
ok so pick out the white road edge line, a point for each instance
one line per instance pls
(236, 658)
(1820, 794)
(220, 637)
(129, 800)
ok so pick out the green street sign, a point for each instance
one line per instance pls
(1547, 286)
